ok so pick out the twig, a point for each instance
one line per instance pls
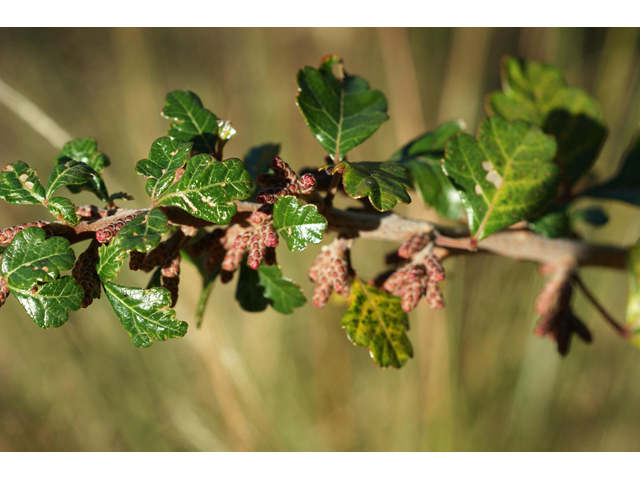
(623, 331)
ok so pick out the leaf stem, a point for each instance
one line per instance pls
(623, 331)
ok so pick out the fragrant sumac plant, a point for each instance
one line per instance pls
(510, 190)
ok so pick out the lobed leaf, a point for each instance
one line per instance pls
(375, 319)
(340, 109)
(282, 293)
(208, 189)
(85, 150)
(50, 305)
(385, 183)
(422, 159)
(505, 176)
(145, 314)
(190, 121)
(111, 260)
(31, 266)
(69, 173)
(165, 158)
(30, 258)
(298, 225)
(538, 93)
(144, 232)
(20, 185)
(63, 209)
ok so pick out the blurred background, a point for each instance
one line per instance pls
(479, 380)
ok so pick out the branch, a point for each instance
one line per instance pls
(516, 244)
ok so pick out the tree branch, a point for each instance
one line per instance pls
(516, 244)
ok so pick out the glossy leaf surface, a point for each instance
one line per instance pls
(145, 314)
(340, 109)
(208, 188)
(143, 232)
(165, 158)
(63, 209)
(384, 183)
(298, 225)
(50, 305)
(539, 94)
(375, 319)
(422, 159)
(505, 176)
(30, 258)
(85, 150)
(190, 121)
(20, 185)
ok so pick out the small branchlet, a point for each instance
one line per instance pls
(283, 181)
(331, 271)
(170, 273)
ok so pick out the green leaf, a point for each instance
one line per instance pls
(283, 293)
(340, 109)
(31, 266)
(63, 209)
(298, 225)
(554, 222)
(625, 184)
(385, 183)
(111, 260)
(144, 232)
(538, 93)
(30, 258)
(423, 160)
(49, 306)
(633, 301)
(145, 314)
(190, 121)
(69, 173)
(208, 278)
(375, 319)
(208, 189)
(20, 185)
(249, 293)
(505, 176)
(165, 158)
(85, 150)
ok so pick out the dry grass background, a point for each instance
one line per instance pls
(479, 380)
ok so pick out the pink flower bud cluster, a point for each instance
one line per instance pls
(330, 272)
(105, 234)
(7, 234)
(283, 181)
(417, 279)
(258, 242)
